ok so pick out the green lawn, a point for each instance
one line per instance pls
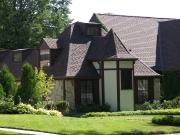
(92, 125)
(9, 133)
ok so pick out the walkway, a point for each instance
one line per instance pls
(26, 131)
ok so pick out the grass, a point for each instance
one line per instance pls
(86, 126)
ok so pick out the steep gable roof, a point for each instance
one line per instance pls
(50, 43)
(138, 34)
(76, 51)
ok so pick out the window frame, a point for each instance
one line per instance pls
(125, 86)
(141, 93)
(17, 53)
(87, 93)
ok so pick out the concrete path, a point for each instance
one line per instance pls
(26, 131)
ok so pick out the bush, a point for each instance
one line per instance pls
(8, 81)
(28, 109)
(167, 120)
(128, 113)
(2, 93)
(25, 109)
(166, 104)
(62, 106)
(93, 108)
(7, 106)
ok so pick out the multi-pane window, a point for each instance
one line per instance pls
(17, 56)
(126, 79)
(142, 91)
(86, 92)
(93, 31)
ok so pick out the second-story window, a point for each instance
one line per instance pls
(17, 56)
(93, 31)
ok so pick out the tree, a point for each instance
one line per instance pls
(8, 81)
(28, 83)
(26, 22)
(44, 85)
(2, 94)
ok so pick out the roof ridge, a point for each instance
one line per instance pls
(111, 14)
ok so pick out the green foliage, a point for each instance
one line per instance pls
(62, 106)
(129, 113)
(8, 81)
(171, 87)
(28, 83)
(166, 120)
(28, 109)
(165, 104)
(44, 85)
(2, 94)
(25, 23)
(7, 106)
(25, 109)
(93, 108)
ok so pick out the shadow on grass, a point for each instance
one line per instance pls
(134, 132)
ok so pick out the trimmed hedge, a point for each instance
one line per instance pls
(167, 120)
(126, 113)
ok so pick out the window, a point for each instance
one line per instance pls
(93, 31)
(17, 56)
(126, 79)
(86, 92)
(142, 91)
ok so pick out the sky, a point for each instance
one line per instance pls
(82, 10)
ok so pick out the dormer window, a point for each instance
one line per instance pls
(93, 31)
(17, 56)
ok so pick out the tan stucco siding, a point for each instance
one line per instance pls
(126, 64)
(70, 96)
(57, 92)
(109, 64)
(157, 89)
(126, 100)
(110, 88)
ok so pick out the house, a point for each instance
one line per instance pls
(46, 45)
(15, 59)
(93, 66)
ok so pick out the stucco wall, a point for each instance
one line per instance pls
(70, 96)
(110, 84)
(57, 93)
(157, 89)
(126, 64)
(110, 88)
(126, 100)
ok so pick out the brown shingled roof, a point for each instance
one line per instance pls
(138, 34)
(51, 43)
(74, 55)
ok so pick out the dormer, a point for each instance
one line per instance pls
(93, 29)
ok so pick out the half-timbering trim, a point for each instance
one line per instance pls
(102, 74)
(118, 86)
(64, 90)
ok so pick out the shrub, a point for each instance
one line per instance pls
(50, 105)
(2, 93)
(145, 106)
(8, 81)
(167, 120)
(25, 109)
(41, 111)
(28, 81)
(93, 108)
(62, 106)
(55, 113)
(7, 106)
(127, 113)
